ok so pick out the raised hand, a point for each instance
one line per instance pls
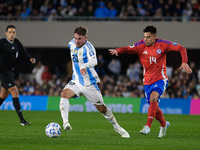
(186, 67)
(113, 52)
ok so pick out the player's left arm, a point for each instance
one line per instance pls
(92, 61)
(24, 51)
(183, 51)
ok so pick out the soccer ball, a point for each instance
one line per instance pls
(53, 129)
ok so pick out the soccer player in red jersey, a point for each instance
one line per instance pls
(152, 54)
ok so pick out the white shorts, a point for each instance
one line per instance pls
(91, 92)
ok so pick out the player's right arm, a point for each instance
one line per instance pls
(113, 52)
(132, 49)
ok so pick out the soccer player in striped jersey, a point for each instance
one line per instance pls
(84, 81)
(152, 54)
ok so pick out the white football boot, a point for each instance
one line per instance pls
(145, 130)
(163, 130)
(67, 126)
(122, 132)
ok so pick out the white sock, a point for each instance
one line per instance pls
(111, 118)
(64, 109)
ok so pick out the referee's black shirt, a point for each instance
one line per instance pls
(9, 52)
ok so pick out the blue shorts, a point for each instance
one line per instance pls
(158, 86)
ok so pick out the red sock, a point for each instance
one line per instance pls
(151, 113)
(159, 116)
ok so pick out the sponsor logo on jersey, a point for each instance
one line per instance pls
(175, 44)
(131, 46)
(13, 47)
(159, 51)
(145, 52)
(71, 83)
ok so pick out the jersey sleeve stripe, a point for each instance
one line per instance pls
(139, 43)
(163, 41)
(89, 46)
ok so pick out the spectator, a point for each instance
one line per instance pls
(158, 14)
(133, 72)
(29, 88)
(102, 11)
(178, 10)
(169, 71)
(118, 6)
(53, 15)
(44, 7)
(180, 85)
(25, 13)
(90, 11)
(187, 12)
(46, 75)
(39, 10)
(130, 72)
(114, 67)
(100, 68)
(150, 10)
(63, 3)
(123, 13)
(38, 70)
(140, 10)
(69, 11)
(112, 10)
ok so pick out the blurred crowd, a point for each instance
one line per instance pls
(113, 82)
(48, 10)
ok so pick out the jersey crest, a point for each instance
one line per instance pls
(159, 51)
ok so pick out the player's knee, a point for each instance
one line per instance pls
(102, 109)
(62, 94)
(14, 93)
(153, 99)
(65, 94)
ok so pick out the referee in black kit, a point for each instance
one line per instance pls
(10, 47)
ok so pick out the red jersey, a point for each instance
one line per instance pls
(153, 58)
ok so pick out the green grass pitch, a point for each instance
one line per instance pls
(91, 131)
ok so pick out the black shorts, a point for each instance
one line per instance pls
(7, 79)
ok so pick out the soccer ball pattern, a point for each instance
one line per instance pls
(53, 129)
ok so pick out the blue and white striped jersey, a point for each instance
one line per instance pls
(83, 57)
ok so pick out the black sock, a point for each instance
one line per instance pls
(18, 108)
(1, 101)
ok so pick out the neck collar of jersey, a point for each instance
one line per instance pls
(9, 41)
